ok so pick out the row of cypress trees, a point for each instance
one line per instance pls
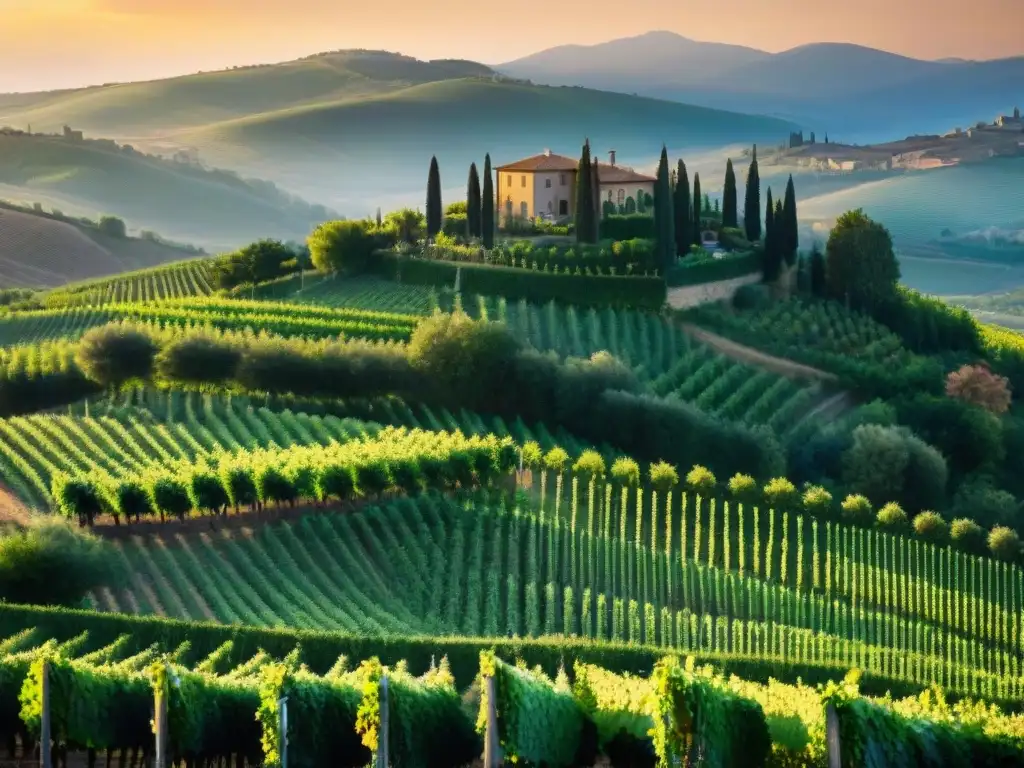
(479, 202)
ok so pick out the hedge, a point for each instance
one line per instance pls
(628, 227)
(713, 270)
(533, 285)
(321, 649)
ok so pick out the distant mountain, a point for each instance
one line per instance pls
(835, 87)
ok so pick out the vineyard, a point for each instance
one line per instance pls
(681, 572)
(223, 706)
(186, 278)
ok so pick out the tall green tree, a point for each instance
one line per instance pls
(860, 264)
(752, 201)
(772, 253)
(729, 212)
(473, 202)
(433, 199)
(818, 279)
(791, 236)
(683, 211)
(664, 219)
(585, 223)
(487, 206)
(697, 199)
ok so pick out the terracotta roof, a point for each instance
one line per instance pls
(542, 162)
(616, 174)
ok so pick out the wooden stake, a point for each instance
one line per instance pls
(492, 747)
(832, 736)
(45, 756)
(382, 735)
(282, 726)
(160, 721)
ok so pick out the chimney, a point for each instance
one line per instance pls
(611, 157)
(547, 153)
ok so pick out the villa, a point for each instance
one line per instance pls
(545, 185)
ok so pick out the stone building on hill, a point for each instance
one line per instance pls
(545, 185)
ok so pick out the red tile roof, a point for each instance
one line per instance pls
(542, 162)
(616, 174)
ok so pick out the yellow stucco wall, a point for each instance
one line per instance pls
(515, 189)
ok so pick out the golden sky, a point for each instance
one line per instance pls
(62, 43)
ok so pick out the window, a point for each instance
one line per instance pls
(547, 183)
(622, 196)
(510, 181)
(523, 181)
(561, 179)
(524, 209)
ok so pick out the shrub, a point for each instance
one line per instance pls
(626, 471)
(751, 296)
(743, 488)
(76, 498)
(696, 270)
(590, 465)
(199, 359)
(51, 563)
(893, 463)
(113, 226)
(978, 385)
(169, 496)
(115, 354)
(966, 534)
(556, 460)
(341, 246)
(780, 493)
(892, 518)
(663, 476)
(988, 505)
(816, 500)
(856, 509)
(931, 527)
(533, 455)
(701, 480)
(1004, 543)
(627, 227)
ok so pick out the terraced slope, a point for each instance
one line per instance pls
(688, 576)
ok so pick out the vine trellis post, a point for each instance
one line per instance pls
(45, 755)
(492, 749)
(383, 735)
(282, 729)
(160, 723)
(832, 736)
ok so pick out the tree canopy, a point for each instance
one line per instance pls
(860, 264)
(341, 246)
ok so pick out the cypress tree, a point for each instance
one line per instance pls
(378, 218)
(433, 199)
(729, 214)
(752, 201)
(664, 222)
(487, 207)
(683, 211)
(584, 197)
(772, 254)
(473, 202)
(697, 200)
(790, 226)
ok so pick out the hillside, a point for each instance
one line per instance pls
(39, 251)
(215, 209)
(154, 107)
(383, 144)
(826, 86)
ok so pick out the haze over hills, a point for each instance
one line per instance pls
(352, 128)
(835, 87)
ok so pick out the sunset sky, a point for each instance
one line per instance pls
(64, 43)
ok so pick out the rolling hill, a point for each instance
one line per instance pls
(215, 209)
(38, 251)
(826, 86)
(356, 129)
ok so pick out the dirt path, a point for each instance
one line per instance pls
(12, 511)
(751, 356)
